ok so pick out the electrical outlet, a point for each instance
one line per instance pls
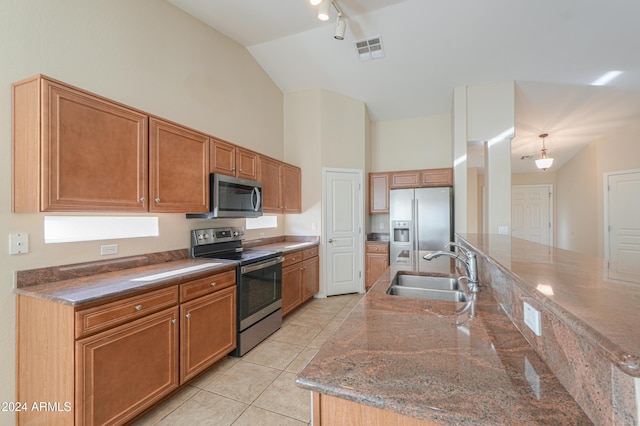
(108, 249)
(381, 225)
(503, 230)
(532, 319)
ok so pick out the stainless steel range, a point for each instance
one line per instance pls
(258, 278)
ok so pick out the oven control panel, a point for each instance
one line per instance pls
(201, 237)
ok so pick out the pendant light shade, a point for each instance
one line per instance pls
(544, 162)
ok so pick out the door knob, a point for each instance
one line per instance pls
(330, 240)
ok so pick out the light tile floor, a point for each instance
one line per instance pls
(259, 388)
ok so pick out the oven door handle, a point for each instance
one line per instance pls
(261, 265)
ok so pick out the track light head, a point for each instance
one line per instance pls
(323, 10)
(341, 27)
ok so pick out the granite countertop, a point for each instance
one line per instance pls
(288, 246)
(102, 287)
(418, 358)
(575, 287)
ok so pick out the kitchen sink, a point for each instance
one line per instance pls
(427, 282)
(427, 293)
(427, 287)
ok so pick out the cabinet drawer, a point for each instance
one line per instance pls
(376, 248)
(291, 258)
(102, 317)
(207, 285)
(311, 252)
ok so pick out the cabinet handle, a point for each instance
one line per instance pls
(213, 284)
(138, 307)
(173, 321)
(157, 200)
(233, 169)
(142, 199)
(240, 170)
(188, 315)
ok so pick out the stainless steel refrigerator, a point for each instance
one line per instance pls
(421, 221)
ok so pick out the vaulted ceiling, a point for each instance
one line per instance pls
(554, 50)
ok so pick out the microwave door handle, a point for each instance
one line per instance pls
(255, 206)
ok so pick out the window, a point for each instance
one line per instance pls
(66, 229)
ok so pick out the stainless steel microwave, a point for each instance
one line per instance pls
(232, 197)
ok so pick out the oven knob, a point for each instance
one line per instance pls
(235, 233)
(206, 236)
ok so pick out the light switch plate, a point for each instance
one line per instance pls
(18, 243)
(503, 230)
(532, 319)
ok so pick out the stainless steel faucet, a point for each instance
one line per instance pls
(468, 258)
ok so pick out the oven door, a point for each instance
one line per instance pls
(259, 291)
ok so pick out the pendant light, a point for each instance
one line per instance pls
(544, 162)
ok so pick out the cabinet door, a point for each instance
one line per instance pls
(94, 153)
(436, 177)
(376, 265)
(222, 157)
(291, 189)
(247, 164)
(207, 331)
(311, 275)
(378, 193)
(122, 371)
(291, 289)
(405, 179)
(271, 178)
(179, 169)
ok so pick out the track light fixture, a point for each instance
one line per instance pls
(323, 10)
(341, 27)
(324, 7)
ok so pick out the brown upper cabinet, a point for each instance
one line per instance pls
(436, 177)
(405, 179)
(232, 160)
(378, 193)
(280, 186)
(291, 184)
(76, 151)
(178, 168)
(270, 174)
(421, 178)
(381, 183)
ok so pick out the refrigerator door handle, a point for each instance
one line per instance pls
(416, 227)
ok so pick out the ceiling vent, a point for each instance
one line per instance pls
(370, 48)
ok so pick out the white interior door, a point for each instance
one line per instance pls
(623, 207)
(343, 240)
(531, 213)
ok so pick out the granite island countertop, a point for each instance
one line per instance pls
(418, 358)
(575, 287)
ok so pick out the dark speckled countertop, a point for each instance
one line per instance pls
(110, 285)
(418, 358)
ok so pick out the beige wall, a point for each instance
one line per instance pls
(144, 53)
(576, 203)
(416, 143)
(580, 196)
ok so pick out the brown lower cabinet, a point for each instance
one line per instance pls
(377, 261)
(300, 278)
(330, 410)
(105, 364)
